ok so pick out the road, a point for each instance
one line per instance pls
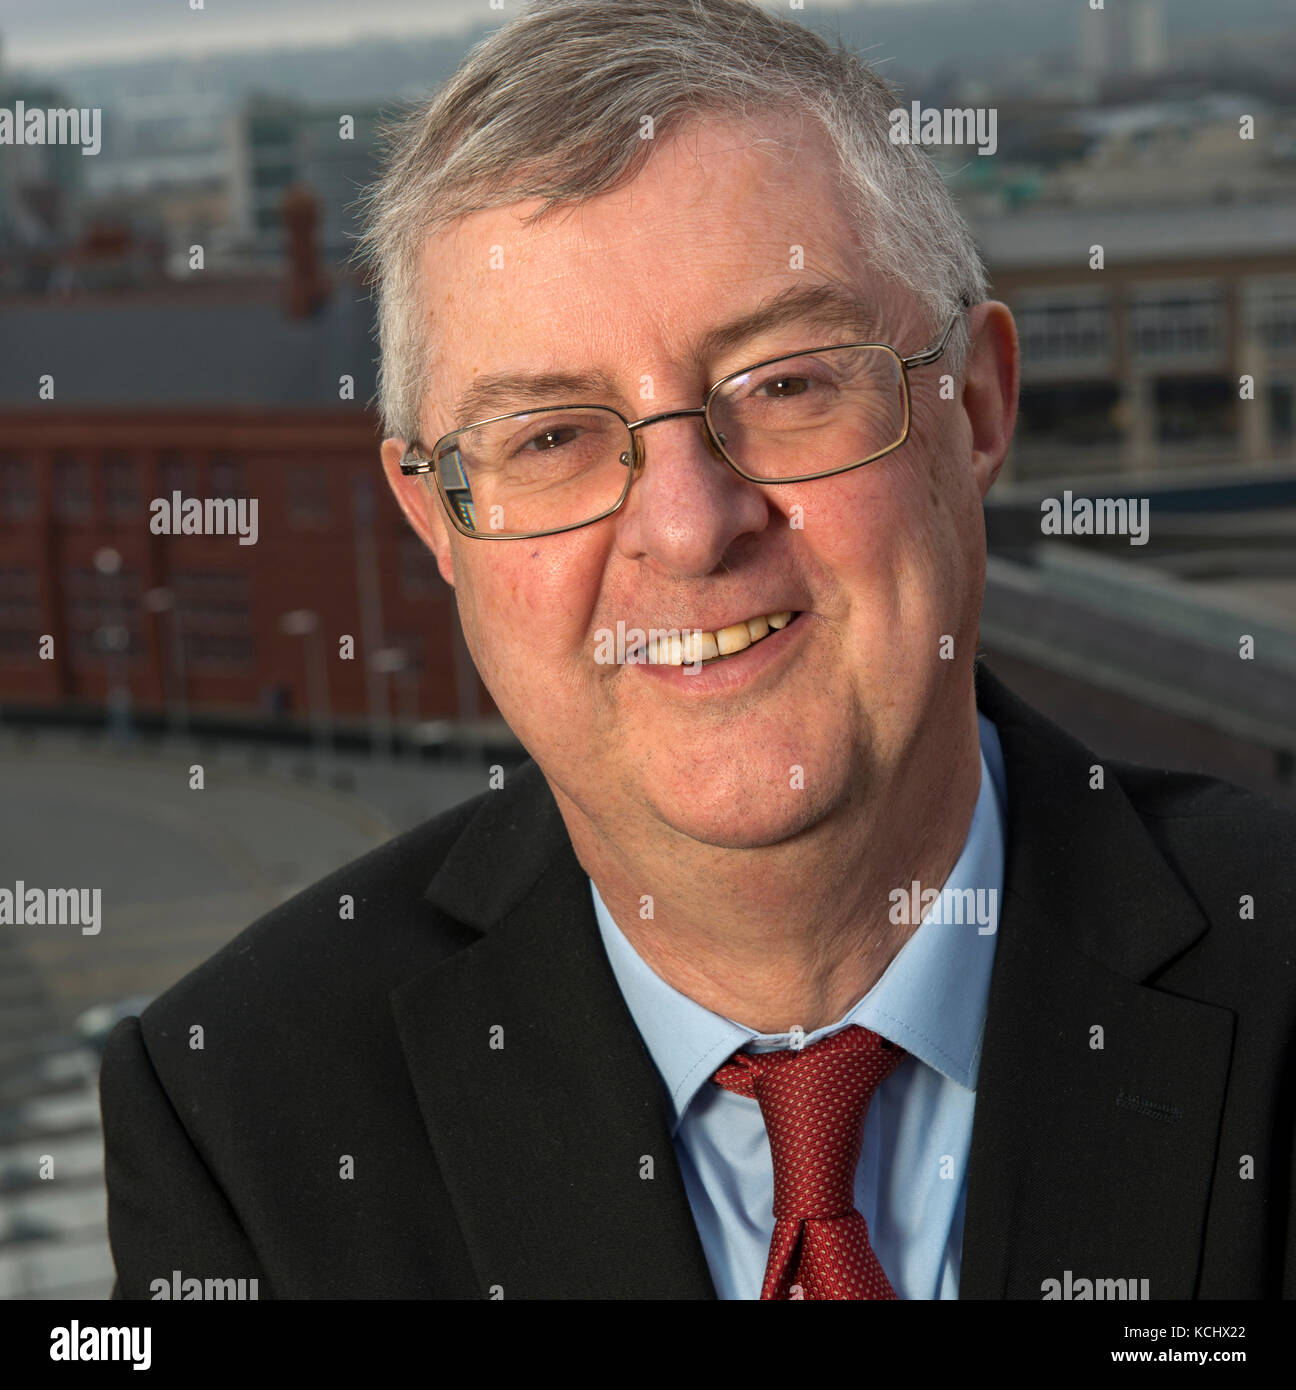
(181, 871)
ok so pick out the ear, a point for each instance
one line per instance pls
(990, 382)
(419, 500)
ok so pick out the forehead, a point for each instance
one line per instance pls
(723, 216)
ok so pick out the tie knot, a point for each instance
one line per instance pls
(813, 1101)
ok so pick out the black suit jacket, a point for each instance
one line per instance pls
(479, 1170)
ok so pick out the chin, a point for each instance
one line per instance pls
(745, 806)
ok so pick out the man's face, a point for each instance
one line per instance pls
(881, 563)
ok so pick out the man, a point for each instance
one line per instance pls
(803, 960)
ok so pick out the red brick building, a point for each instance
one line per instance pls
(213, 392)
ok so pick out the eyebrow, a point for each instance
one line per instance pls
(830, 306)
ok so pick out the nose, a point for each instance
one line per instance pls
(688, 506)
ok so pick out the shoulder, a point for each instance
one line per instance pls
(1211, 822)
(1212, 863)
(1234, 851)
(1212, 833)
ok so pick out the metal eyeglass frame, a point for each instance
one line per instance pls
(414, 466)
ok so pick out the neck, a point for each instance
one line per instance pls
(793, 933)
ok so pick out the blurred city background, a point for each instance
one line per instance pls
(254, 376)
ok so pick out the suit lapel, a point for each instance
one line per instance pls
(546, 1113)
(1093, 1159)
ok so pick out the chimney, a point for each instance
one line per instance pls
(307, 287)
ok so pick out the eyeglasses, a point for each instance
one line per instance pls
(540, 472)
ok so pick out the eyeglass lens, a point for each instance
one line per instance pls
(816, 413)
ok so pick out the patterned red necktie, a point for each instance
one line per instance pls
(813, 1101)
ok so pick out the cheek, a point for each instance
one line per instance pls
(470, 622)
(946, 541)
(942, 458)
(524, 604)
(858, 524)
(902, 535)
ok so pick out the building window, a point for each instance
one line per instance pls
(218, 650)
(177, 474)
(1072, 416)
(121, 486)
(73, 499)
(17, 487)
(1196, 410)
(1275, 316)
(214, 610)
(1064, 331)
(1176, 323)
(1282, 413)
(19, 615)
(225, 477)
(102, 613)
(306, 496)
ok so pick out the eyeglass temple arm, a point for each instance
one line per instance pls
(412, 466)
(930, 354)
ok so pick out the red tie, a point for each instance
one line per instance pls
(813, 1101)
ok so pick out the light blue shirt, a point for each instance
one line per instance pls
(911, 1185)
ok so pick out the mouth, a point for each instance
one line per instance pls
(696, 646)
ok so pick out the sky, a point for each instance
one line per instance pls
(46, 33)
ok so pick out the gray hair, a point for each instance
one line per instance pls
(550, 107)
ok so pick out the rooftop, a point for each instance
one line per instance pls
(176, 347)
(1057, 236)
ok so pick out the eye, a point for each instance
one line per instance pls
(782, 381)
(552, 438)
(787, 385)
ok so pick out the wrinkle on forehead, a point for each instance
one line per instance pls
(640, 226)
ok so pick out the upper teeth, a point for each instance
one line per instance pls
(694, 645)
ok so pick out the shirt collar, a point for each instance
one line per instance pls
(931, 1000)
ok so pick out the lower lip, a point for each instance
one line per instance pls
(735, 672)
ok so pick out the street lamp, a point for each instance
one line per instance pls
(161, 601)
(395, 661)
(302, 622)
(114, 640)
